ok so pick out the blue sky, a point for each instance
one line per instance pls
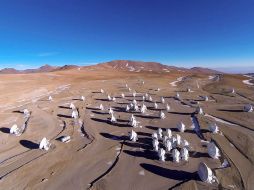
(209, 33)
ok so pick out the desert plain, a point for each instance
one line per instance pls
(100, 154)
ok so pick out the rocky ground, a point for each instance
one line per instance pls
(100, 154)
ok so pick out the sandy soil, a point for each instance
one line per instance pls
(100, 154)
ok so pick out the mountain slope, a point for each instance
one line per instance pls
(205, 70)
(42, 69)
(137, 66)
(9, 71)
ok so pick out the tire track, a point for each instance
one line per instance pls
(92, 183)
(5, 171)
(14, 156)
(231, 123)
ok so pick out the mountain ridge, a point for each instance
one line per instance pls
(43, 69)
(123, 65)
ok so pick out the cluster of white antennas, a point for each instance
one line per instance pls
(111, 113)
(171, 143)
(126, 85)
(44, 144)
(133, 106)
(111, 98)
(174, 142)
(147, 97)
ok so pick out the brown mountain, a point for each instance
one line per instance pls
(9, 71)
(137, 66)
(67, 67)
(42, 69)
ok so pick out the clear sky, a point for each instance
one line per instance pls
(209, 33)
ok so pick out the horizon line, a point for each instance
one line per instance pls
(227, 69)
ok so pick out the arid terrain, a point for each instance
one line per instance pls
(100, 154)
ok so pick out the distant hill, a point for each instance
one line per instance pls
(9, 71)
(205, 70)
(250, 74)
(42, 69)
(67, 67)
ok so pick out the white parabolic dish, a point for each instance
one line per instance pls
(248, 108)
(205, 173)
(44, 144)
(213, 150)
(213, 127)
(15, 130)
(181, 127)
